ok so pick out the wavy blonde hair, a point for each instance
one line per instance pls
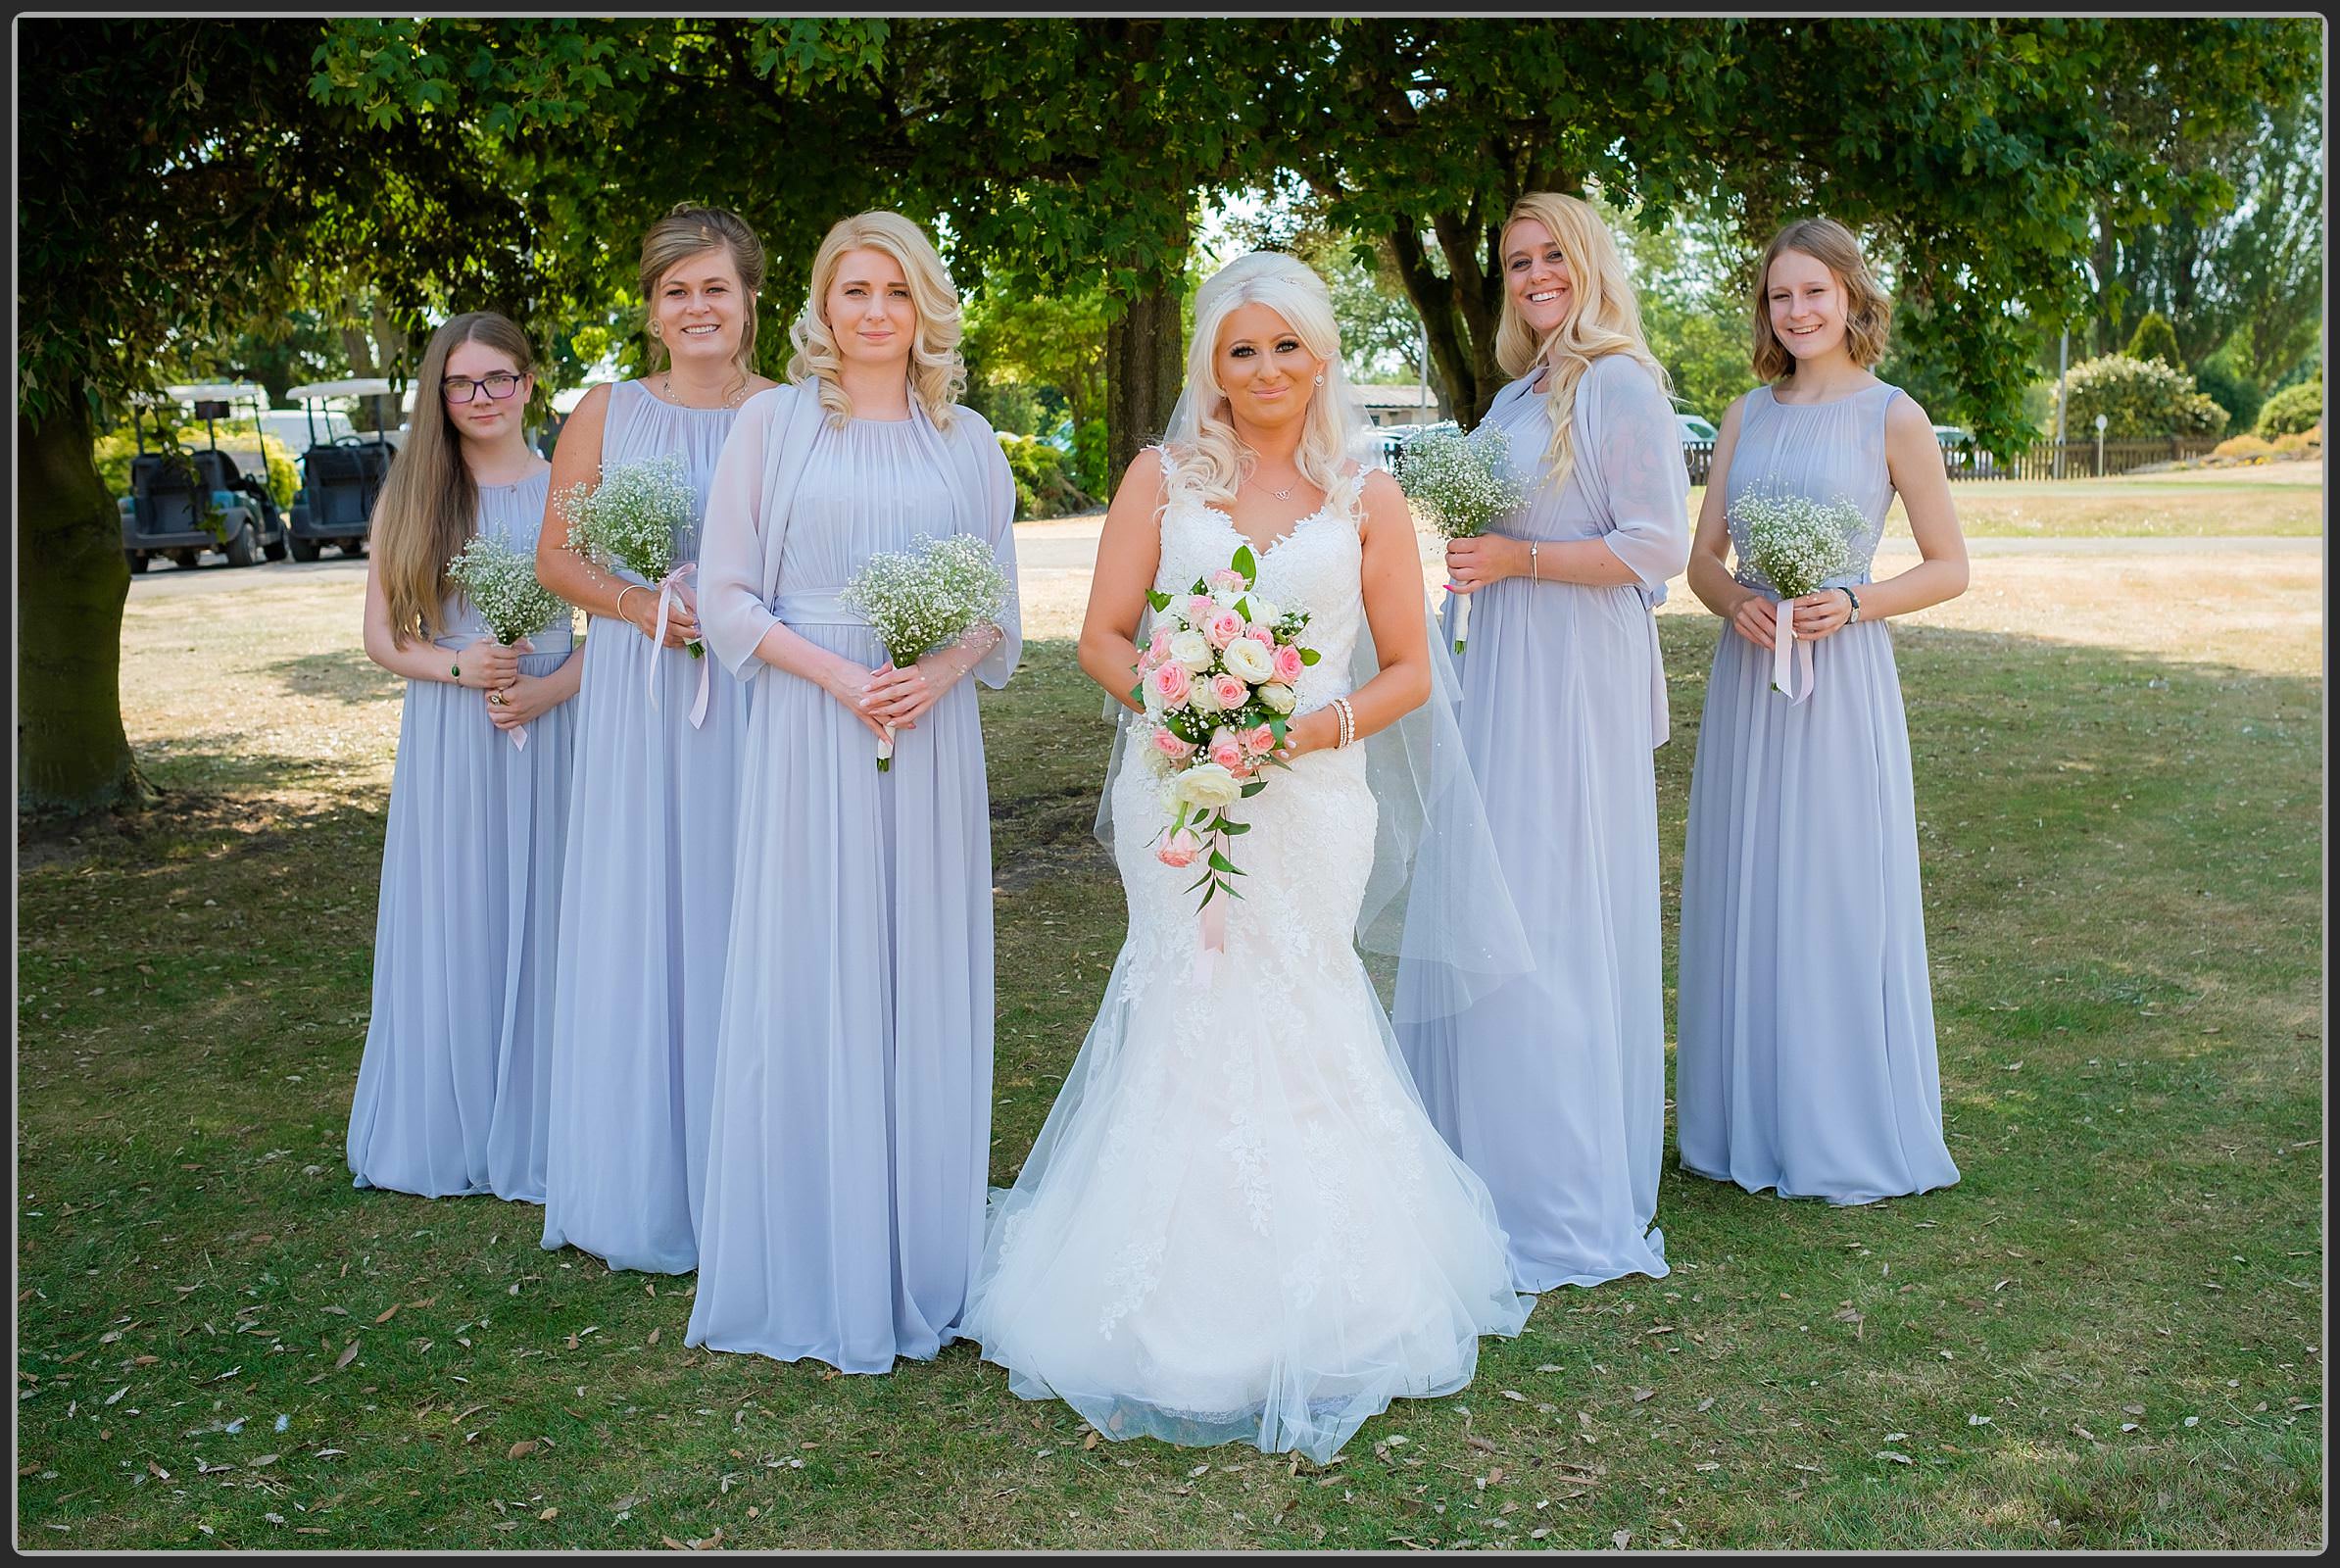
(687, 231)
(938, 374)
(430, 503)
(1205, 461)
(1868, 313)
(1607, 318)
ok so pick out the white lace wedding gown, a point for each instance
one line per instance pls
(1238, 1223)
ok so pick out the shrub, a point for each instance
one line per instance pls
(2138, 398)
(1043, 487)
(2156, 339)
(2308, 440)
(114, 451)
(2242, 446)
(1089, 459)
(2293, 409)
(2239, 395)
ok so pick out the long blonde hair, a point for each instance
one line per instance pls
(688, 230)
(1868, 313)
(938, 374)
(426, 512)
(1607, 318)
(1206, 459)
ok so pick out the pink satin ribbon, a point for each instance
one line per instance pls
(1782, 640)
(658, 639)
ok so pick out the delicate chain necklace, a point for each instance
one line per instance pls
(1284, 494)
(667, 390)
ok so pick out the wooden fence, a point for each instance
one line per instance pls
(2081, 460)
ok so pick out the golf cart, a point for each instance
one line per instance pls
(183, 503)
(341, 474)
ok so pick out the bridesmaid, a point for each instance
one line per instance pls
(650, 848)
(450, 1091)
(1806, 1059)
(846, 1171)
(1552, 1086)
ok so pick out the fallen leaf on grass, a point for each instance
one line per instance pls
(521, 1448)
(387, 1313)
(1888, 1454)
(1643, 1394)
(654, 1337)
(548, 1513)
(1095, 1437)
(2132, 1409)
(1620, 1537)
(348, 1355)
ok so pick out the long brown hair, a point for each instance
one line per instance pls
(687, 231)
(1868, 313)
(429, 503)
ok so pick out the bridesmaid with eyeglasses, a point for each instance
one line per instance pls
(450, 1089)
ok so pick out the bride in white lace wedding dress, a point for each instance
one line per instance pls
(1238, 1222)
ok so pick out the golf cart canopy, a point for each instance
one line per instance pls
(356, 386)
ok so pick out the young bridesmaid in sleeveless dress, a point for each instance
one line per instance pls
(647, 878)
(450, 1091)
(1806, 1052)
(852, 1130)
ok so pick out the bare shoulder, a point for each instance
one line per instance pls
(1904, 418)
(1379, 492)
(1731, 416)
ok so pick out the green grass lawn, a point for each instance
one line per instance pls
(2106, 1336)
(2285, 498)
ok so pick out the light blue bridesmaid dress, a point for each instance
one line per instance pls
(1805, 1060)
(450, 1091)
(647, 910)
(846, 1180)
(1553, 1087)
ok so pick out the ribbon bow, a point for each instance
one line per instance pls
(666, 587)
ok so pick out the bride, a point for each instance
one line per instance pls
(1238, 1223)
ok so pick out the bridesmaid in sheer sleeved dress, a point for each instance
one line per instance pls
(1806, 1054)
(648, 881)
(1553, 1088)
(451, 1089)
(851, 1136)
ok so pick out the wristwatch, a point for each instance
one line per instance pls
(1854, 599)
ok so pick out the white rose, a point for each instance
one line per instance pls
(1265, 611)
(1190, 649)
(1202, 699)
(1247, 661)
(1227, 598)
(1208, 786)
(1277, 696)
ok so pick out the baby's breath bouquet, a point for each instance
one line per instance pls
(1796, 543)
(1460, 484)
(919, 600)
(501, 584)
(634, 518)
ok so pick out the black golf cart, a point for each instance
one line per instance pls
(183, 503)
(341, 477)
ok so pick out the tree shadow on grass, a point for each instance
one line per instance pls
(345, 674)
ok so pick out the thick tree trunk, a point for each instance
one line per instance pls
(1145, 356)
(1460, 309)
(73, 755)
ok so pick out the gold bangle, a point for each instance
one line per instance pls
(621, 593)
(1531, 560)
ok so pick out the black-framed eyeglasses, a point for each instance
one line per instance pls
(461, 388)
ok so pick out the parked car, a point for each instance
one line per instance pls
(1693, 428)
(1959, 455)
(342, 471)
(182, 504)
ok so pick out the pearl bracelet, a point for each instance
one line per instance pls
(1349, 722)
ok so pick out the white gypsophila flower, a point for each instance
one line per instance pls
(501, 584)
(918, 600)
(1797, 543)
(1247, 661)
(636, 518)
(1276, 696)
(1460, 484)
(1190, 649)
(1207, 785)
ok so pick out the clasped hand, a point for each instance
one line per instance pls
(641, 611)
(891, 695)
(488, 665)
(1816, 614)
(1475, 561)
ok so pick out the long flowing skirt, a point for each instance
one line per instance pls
(852, 1125)
(1237, 1224)
(452, 1089)
(1806, 1055)
(646, 909)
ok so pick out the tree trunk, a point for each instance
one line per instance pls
(1460, 311)
(72, 755)
(1144, 371)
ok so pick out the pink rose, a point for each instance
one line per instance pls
(1228, 578)
(1171, 682)
(1159, 649)
(1223, 628)
(1287, 663)
(1169, 745)
(1227, 751)
(1262, 740)
(1265, 636)
(1231, 691)
(1201, 610)
(1179, 850)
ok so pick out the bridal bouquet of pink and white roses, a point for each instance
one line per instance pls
(1216, 680)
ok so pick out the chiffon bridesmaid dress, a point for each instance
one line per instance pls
(1806, 1052)
(1553, 1087)
(851, 1133)
(452, 1089)
(647, 910)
